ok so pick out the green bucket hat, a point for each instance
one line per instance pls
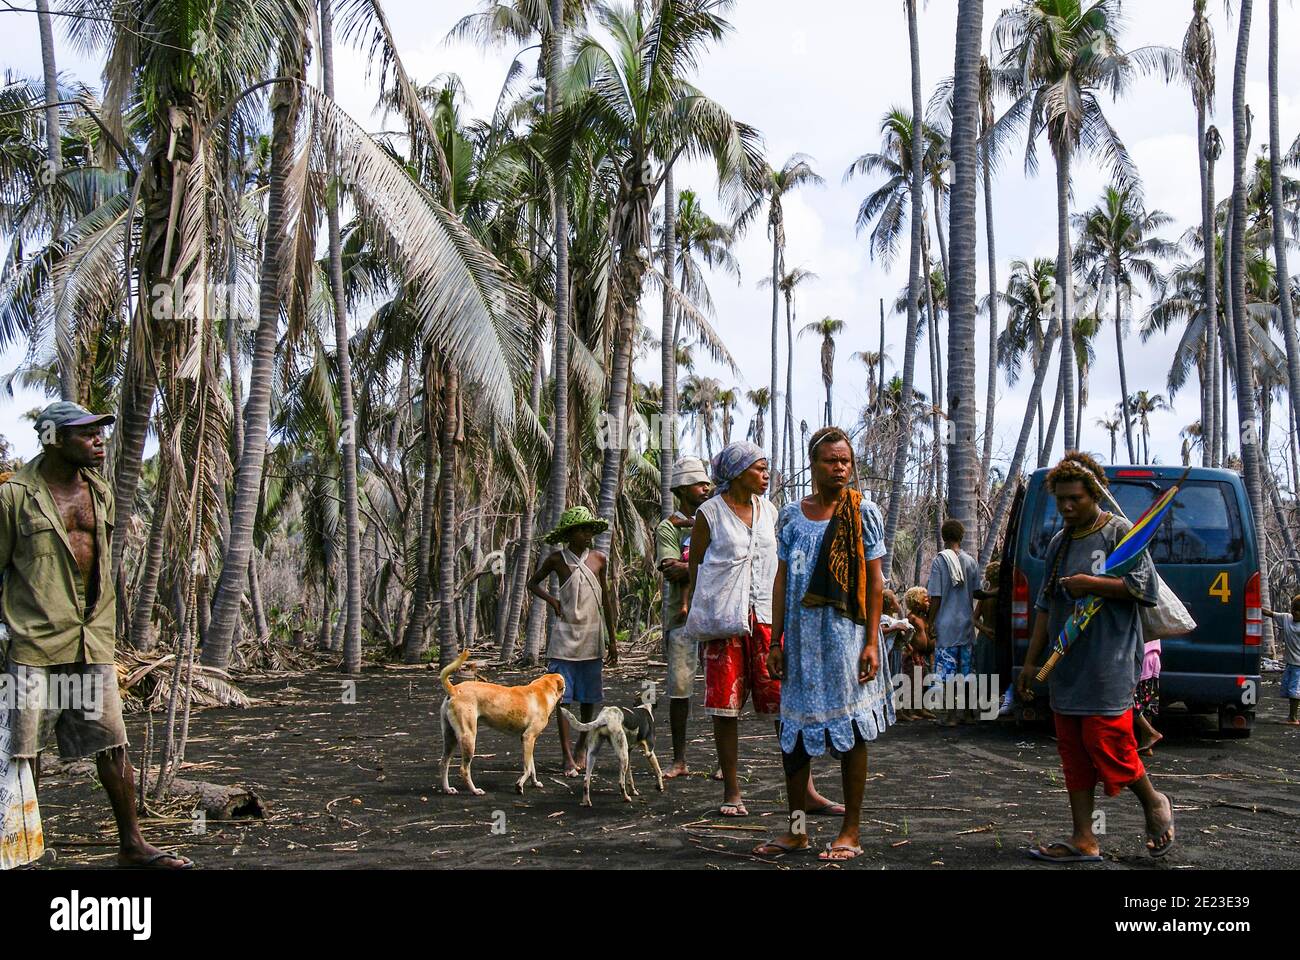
(570, 520)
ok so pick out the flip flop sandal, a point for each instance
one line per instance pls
(828, 809)
(1159, 853)
(831, 848)
(781, 849)
(1075, 854)
(152, 863)
(738, 810)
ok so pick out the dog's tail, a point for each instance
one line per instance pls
(577, 724)
(449, 669)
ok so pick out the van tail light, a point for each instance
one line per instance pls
(1020, 606)
(1254, 612)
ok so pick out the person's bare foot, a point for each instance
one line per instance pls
(571, 770)
(1291, 721)
(1146, 749)
(717, 774)
(927, 715)
(817, 805)
(1160, 827)
(678, 769)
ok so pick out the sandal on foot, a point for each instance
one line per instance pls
(828, 809)
(733, 810)
(852, 849)
(1073, 854)
(155, 863)
(775, 848)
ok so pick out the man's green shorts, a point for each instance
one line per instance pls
(78, 702)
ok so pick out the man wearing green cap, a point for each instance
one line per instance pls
(60, 606)
(584, 601)
(691, 487)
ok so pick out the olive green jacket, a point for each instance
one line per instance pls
(44, 600)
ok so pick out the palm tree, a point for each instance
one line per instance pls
(986, 158)
(1111, 425)
(789, 285)
(1246, 414)
(1199, 65)
(761, 399)
(54, 156)
(1117, 244)
(1141, 405)
(828, 328)
(1030, 290)
(963, 465)
(1058, 56)
(699, 241)
(796, 172)
(872, 361)
(1280, 242)
(640, 104)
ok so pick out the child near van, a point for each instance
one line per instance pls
(917, 651)
(994, 656)
(1289, 625)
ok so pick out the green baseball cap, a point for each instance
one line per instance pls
(65, 413)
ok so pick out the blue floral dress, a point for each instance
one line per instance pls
(820, 693)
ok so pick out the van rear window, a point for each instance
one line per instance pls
(1205, 526)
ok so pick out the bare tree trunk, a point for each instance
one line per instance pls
(1022, 443)
(1065, 292)
(913, 297)
(348, 442)
(142, 635)
(448, 641)
(1279, 221)
(248, 482)
(1247, 416)
(413, 642)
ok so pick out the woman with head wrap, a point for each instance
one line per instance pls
(729, 601)
(827, 600)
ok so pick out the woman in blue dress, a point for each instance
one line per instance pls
(835, 685)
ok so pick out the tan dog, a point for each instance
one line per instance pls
(522, 710)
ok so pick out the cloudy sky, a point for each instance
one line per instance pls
(815, 78)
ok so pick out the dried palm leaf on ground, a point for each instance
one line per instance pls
(146, 687)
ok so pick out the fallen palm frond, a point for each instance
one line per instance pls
(144, 686)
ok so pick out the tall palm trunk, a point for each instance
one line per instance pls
(560, 361)
(668, 356)
(1279, 225)
(1210, 440)
(991, 398)
(141, 633)
(1044, 455)
(448, 643)
(1123, 375)
(899, 468)
(963, 467)
(936, 394)
(1022, 442)
(1247, 416)
(348, 452)
(285, 104)
(775, 462)
(413, 642)
(1065, 290)
(787, 444)
(54, 156)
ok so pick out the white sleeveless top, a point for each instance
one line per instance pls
(579, 631)
(735, 576)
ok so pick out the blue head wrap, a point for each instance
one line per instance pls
(734, 459)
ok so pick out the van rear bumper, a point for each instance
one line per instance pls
(1211, 689)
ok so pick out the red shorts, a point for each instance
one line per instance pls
(735, 668)
(1098, 749)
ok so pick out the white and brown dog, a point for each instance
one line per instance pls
(619, 725)
(523, 710)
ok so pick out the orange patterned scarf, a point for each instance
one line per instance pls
(839, 578)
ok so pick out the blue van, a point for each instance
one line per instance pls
(1208, 554)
